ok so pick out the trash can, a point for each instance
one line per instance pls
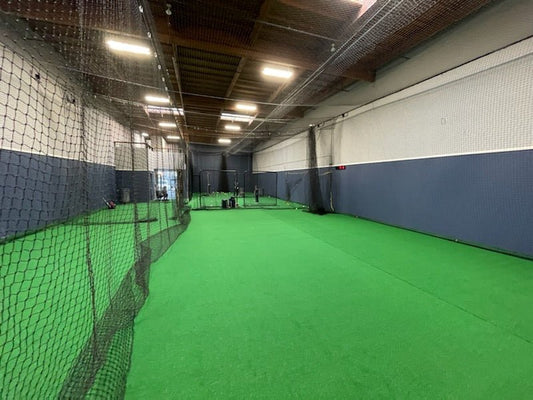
(125, 195)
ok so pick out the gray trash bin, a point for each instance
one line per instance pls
(125, 195)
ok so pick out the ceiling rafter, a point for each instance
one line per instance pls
(214, 51)
(288, 56)
(325, 11)
(263, 12)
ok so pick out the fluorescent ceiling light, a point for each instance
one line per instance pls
(167, 124)
(236, 117)
(157, 99)
(173, 138)
(128, 47)
(163, 110)
(224, 141)
(277, 72)
(145, 134)
(246, 107)
(232, 127)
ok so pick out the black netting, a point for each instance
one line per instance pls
(216, 189)
(260, 189)
(225, 176)
(90, 194)
(316, 204)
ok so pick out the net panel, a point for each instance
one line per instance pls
(215, 187)
(439, 156)
(316, 204)
(249, 190)
(346, 42)
(260, 189)
(81, 219)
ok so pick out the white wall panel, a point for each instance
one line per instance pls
(485, 112)
(482, 106)
(45, 116)
(128, 158)
(290, 154)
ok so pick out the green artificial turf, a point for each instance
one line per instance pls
(46, 311)
(282, 304)
(246, 200)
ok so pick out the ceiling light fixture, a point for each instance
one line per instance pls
(224, 141)
(246, 107)
(232, 127)
(157, 99)
(128, 47)
(163, 110)
(236, 117)
(173, 138)
(277, 72)
(167, 124)
(144, 134)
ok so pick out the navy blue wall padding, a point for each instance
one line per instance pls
(481, 199)
(218, 181)
(210, 158)
(139, 183)
(267, 181)
(295, 186)
(37, 190)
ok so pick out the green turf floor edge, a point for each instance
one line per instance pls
(285, 304)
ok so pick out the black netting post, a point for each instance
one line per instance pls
(190, 174)
(316, 205)
(223, 184)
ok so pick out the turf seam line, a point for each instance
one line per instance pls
(435, 296)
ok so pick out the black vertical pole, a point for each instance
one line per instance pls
(315, 194)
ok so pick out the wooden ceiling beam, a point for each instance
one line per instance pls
(327, 9)
(265, 7)
(171, 37)
(422, 28)
(256, 31)
(298, 61)
(177, 75)
(64, 16)
(236, 76)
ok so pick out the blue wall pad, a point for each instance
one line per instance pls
(37, 190)
(211, 158)
(140, 185)
(295, 186)
(482, 199)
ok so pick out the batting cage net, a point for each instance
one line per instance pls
(217, 186)
(221, 189)
(306, 182)
(90, 192)
(260, 190)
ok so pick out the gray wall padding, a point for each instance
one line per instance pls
(37, 190)
(481, 199)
